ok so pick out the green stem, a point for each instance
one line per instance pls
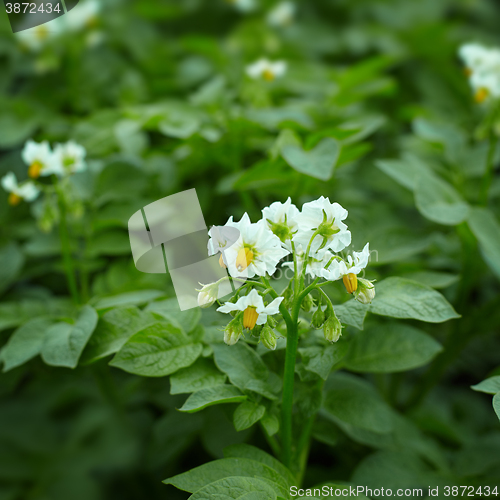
(490, 170)
(66, 251)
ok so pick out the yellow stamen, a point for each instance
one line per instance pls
(250, 317)
(244, 259)
(351, 282)
(268, 75)
(14, 199)
(221, 262)
(467, 72)
(481, 95)
(41, 32)
(35, 169)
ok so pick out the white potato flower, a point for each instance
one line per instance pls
(281, 219)
(254, 310)
(40, 159)
(257, 250)
(221, 238)
(85, 15)
(26, 191)
(267, 70)
(325, 219)
(354, 265)
(482, 66)
(282, 15)
(70, 158)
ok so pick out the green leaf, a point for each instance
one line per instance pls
(156, 351)
(25, 343)
(244, 367)
(351, 313)
(286, 137)
(208, 473)
(201, 375)
(433, 279)
(390, 348)
(128, 299)
(486, 229)
(114, 329)
(490, 385)
(439, 202)
(64, 342)
(405, 171)
(253, 453)
(354, 402)
(170, 310)
(318, 162)
(496, 404)
(212, 396)
(236, 488)
(270, 423)
(321, 360)
(12, 260)
(247, 414)
(403, 298)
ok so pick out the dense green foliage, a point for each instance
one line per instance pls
(108, 388)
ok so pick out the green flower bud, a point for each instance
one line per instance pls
(233, 331)
(208, 295)
(307, 303)
(288, 296)
(319, 318)
(365, 292)
(268, 338)
(281, 230)
(332, 328)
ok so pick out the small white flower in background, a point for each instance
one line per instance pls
(40, 159)
(26, 191)
(482, 66)
(281, 219)
(254, 310)
(257, 250)
(244, 6)
(86, 15)
(35, 39)
(70, 158)
(326, 218)
(282, 15)
(267, 70)
(208, 295)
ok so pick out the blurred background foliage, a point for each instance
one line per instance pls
(156, 91)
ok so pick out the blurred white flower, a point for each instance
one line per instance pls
(36, 38)
(281, 219)
(40, 159)
(244, 6)
(267, 70)
(325, 218)
(26, 191)
(482, 66)
(84, 15)
(256, 251)
(254, 310)
(282, 15)
(70, 158)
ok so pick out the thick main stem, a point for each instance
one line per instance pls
(292, 340)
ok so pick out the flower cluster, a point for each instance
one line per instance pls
(482, 66)
(313, 236)
(42, 161)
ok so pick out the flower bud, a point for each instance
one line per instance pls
(307, 303)
(365, 292)
(332, 328)
(268, 337)
(281, 230)
(208, 295)
(318, 318)
(233, 331)
(288, 296)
